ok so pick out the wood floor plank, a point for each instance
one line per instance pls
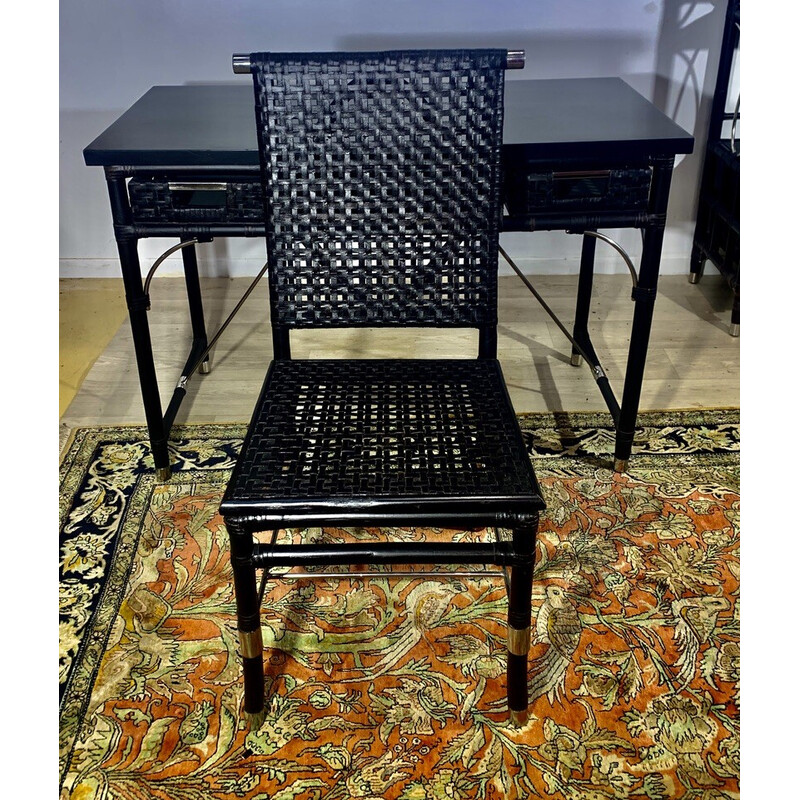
(692, 362)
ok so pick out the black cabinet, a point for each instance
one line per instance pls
(716, 236)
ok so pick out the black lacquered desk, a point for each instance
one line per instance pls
(580, 155)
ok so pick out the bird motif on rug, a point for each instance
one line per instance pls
(695, 619)
(426, 604)
(558, 626)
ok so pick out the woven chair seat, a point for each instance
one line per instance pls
(328, 435)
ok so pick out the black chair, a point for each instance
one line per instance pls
(382, 175)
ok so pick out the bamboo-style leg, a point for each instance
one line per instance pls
(249, 623)
(734, 328)
(137, 314)
(644, 295)
(580, 330)
(193, 294)
(697, 264)
(519, 624)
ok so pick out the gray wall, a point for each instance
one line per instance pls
(112, 51)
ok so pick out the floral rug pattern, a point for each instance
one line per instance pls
(393, 688)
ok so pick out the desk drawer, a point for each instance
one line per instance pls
(545, 186)
(160, 201)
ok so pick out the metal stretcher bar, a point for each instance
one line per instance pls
(585, 349)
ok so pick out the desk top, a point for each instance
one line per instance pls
(214, 125)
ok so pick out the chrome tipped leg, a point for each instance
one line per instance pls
(694, 277)
(518, 719)
(205, 367)
(621, 464)
(734, 329)
(576, 359)
(163, 474)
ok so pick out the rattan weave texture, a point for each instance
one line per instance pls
(544, 186)
(381, 177)
(382, 428)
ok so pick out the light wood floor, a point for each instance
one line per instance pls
(90, 313)
(692, 362)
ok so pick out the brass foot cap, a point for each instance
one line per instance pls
(205, 368)
(518, 719)
(255, 720)
(621, 464)
(734, 329)
(694, 277)
(576, 359)
(163, 473)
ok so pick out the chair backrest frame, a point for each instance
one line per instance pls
(382, 184)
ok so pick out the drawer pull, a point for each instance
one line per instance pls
(197, 187)
(581, 185)
(586, 173)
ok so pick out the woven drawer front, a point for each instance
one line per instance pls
(536, 186)
(160, 201)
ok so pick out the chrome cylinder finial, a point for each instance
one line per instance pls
(241, 63)
(515, 59)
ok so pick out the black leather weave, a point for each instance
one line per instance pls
(382, 184)
(385, 428)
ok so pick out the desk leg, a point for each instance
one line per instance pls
(199, 337)
(127, 247)
(644, 296)
(580, 330)
(697, 264)
(734, 329)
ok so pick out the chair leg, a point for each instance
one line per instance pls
(249, 621)
(519, 624)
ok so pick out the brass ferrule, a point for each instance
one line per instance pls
(620, 465)
(518, 719)
(519, 641)
(251, 643)
(254, 720)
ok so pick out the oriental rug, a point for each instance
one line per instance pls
(394, 688)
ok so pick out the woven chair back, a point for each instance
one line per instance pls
(382, 176)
